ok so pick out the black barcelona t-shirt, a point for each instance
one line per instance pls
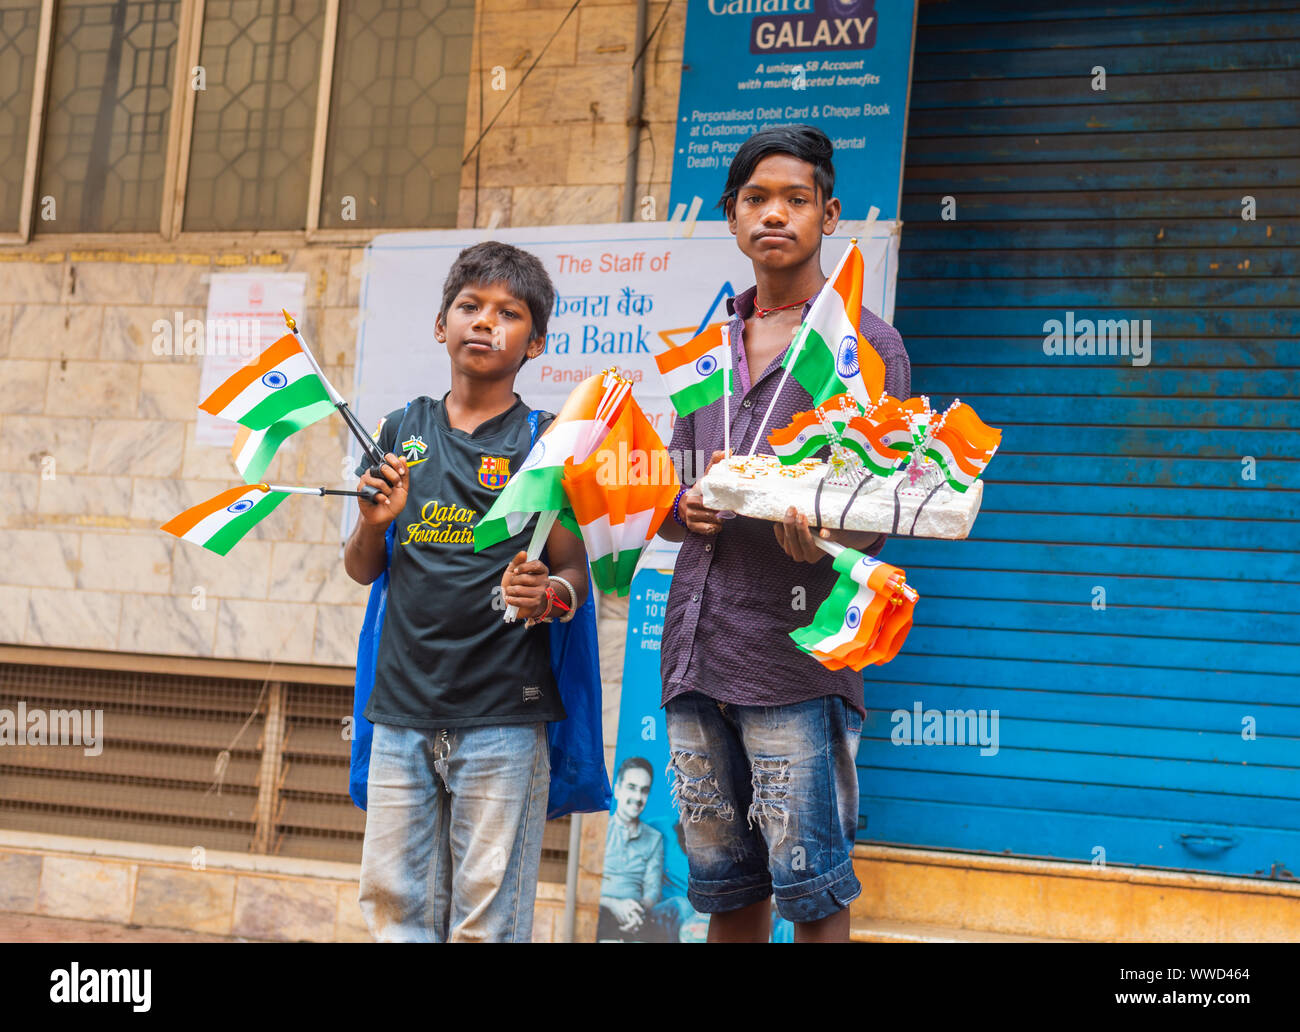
(446, 658)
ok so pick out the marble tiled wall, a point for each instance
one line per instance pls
(97, 448)
(82, 563)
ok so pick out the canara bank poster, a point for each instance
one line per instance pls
(624, 292)
(841, 65)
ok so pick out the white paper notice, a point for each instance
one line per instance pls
(244, 319)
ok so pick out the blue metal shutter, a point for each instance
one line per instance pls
(1119, 729)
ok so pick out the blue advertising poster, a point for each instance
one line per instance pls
(643, 890)
(841, 65)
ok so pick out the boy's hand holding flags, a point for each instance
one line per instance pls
(282, 392)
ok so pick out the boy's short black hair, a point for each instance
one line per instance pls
(805, 142)
(634, 763)
(492, 261)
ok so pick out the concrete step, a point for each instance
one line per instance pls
(869, 929)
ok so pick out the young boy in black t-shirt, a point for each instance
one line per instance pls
(459, 766)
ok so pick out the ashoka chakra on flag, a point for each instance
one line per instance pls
(846, 362)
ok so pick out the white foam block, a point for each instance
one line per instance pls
(761, 487)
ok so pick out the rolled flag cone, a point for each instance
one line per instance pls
(579, 428)
(619, 497)
(866, 617)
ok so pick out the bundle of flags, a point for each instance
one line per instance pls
(602, 468)
(280, 393)
(866, 617)
(890, 434)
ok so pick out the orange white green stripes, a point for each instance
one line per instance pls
(536, 486)
(283, 380)
(694, 372)
(803, 437)
(813, 430)
(219, 523)
(962, 445)
(253, 450)
(866, 617)
(867, 440)
(829, 354)
(617, 505)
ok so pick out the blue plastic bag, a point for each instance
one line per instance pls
(579, 781)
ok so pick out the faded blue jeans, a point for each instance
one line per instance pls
(768, 797)
(454, 833)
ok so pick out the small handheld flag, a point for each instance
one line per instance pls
(283, 391)
(695, 373)
(222, 521)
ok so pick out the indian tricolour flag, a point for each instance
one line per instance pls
(803, 437)
(811, 431)
(860, 622)
(868, 440)
(535, 487)
(829, 354)
(282, 381)
(694, 372)
(963, 445)
(253, 450)
(619, 497)
(220, 522)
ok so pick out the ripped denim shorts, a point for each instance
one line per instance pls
(768, 798)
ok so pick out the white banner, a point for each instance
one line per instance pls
(624, 291)
(244, 319)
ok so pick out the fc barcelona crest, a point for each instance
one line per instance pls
(493, 472)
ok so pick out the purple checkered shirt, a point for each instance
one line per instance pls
(730, 608)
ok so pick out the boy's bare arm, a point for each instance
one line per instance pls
(568, 557)
(365, 555)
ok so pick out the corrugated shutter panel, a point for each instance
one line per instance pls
(1119, 729)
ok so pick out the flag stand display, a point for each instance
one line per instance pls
(798, 344)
